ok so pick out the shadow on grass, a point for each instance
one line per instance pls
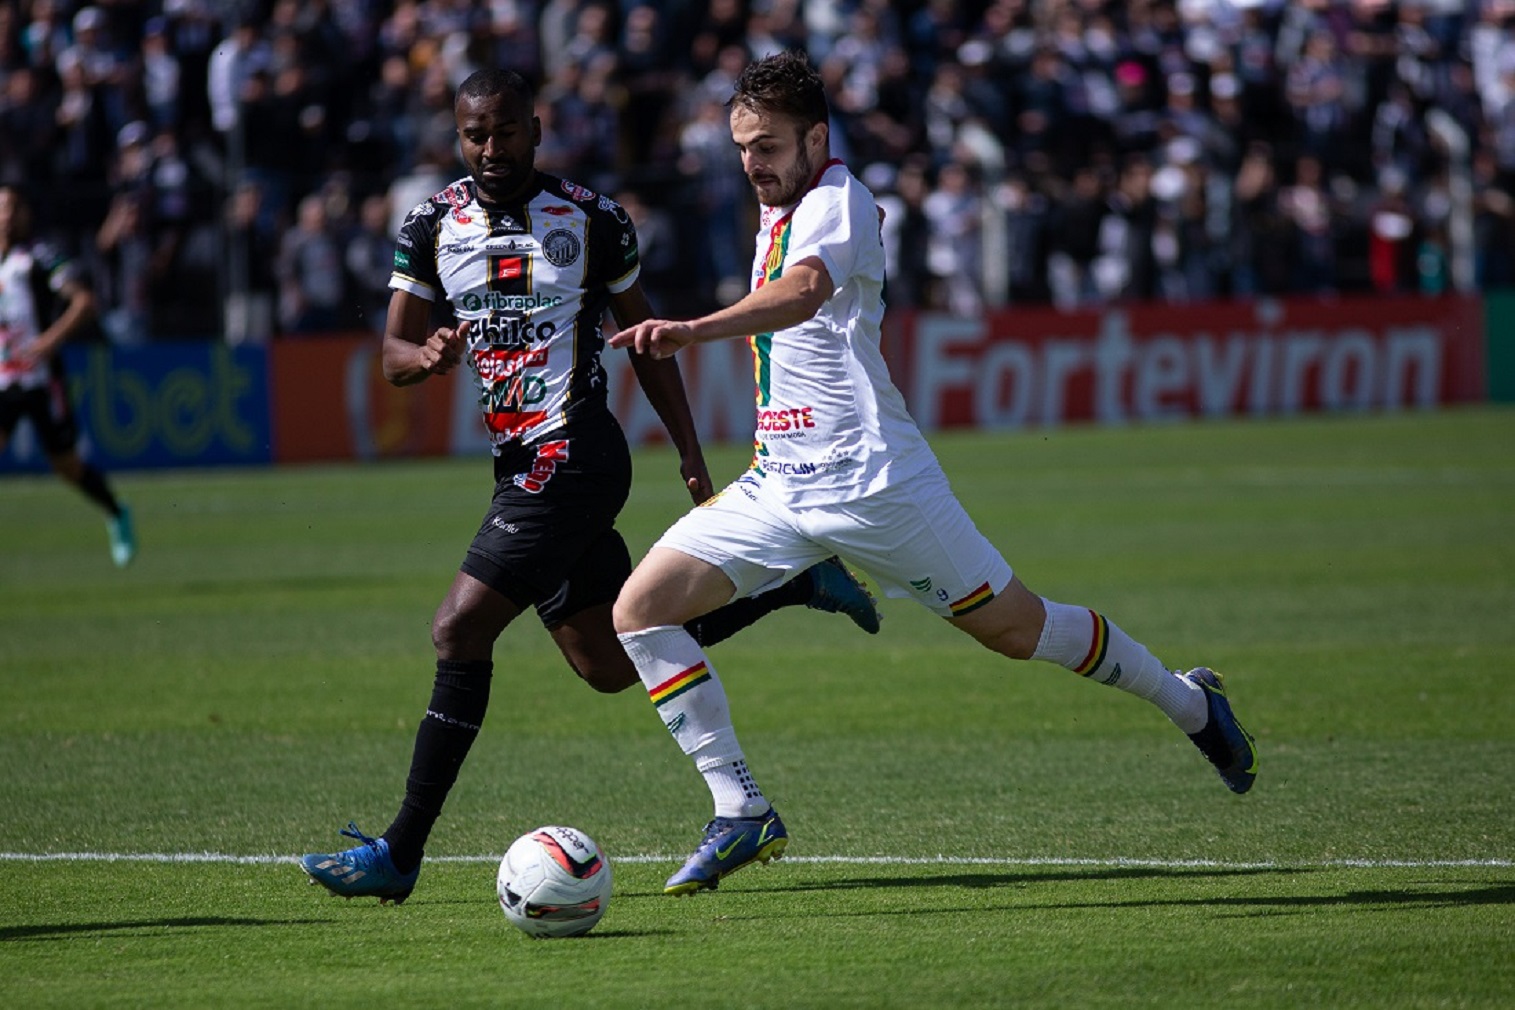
(985, 880)
(43, 931)
(1263, 904)
(1502, 894)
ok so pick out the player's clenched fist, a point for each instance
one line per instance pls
(443, 350)
(658, 337)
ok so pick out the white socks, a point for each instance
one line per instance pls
(1091, 646)
(692, 703)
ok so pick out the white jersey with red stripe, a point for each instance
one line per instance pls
(535, 278)
(831, 426)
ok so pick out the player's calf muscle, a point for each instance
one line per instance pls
(1010, 624)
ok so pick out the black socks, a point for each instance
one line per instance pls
(719, 625)
(459, 698)
(92, 483)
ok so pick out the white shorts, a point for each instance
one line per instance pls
(914, 539)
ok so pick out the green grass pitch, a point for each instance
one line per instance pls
(966, 831)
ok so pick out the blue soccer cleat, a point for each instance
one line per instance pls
(1230, 748)
(362, 872)
(836, 590)
(123, 539)
(730, 844)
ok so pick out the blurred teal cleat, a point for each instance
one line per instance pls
(836, 590)
(123, 539)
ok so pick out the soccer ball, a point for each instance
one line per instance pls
(554, 881)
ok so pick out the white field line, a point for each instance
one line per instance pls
(1118, 861)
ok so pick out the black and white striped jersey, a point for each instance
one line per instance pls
(535, 277)
(31, 279)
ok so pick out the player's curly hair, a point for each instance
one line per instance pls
(784, 84)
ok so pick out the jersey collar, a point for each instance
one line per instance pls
(772, 214)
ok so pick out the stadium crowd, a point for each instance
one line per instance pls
(240, 168)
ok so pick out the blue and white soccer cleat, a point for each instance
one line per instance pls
(365, 871)
(1230, 748)
(123, 539)
(836, 590)
(730, 844)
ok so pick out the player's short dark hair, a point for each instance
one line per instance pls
(494, 83)
(784, 84)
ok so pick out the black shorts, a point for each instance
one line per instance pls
(549, 539)
(48, 409)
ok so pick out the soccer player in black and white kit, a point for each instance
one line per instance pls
(529, 264)
(43, 303)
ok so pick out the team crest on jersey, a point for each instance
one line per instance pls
(561, 247)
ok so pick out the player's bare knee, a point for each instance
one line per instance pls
(1017, 642)
(458, 634)
(628, 615)
(444, 630)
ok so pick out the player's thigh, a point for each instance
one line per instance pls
(670, 587)
(578, 615)
(919, 543)
(546, 515)
(52, 415)
(470, 618)
(754, 544)
(11, 406)
(593, 580)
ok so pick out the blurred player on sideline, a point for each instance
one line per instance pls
(529, 263)
(43, 303)
(840, 468)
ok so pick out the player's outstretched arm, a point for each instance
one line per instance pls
(663, 386)
(410, 353)
(777, 305)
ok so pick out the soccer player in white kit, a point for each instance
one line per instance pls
(839, 468)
